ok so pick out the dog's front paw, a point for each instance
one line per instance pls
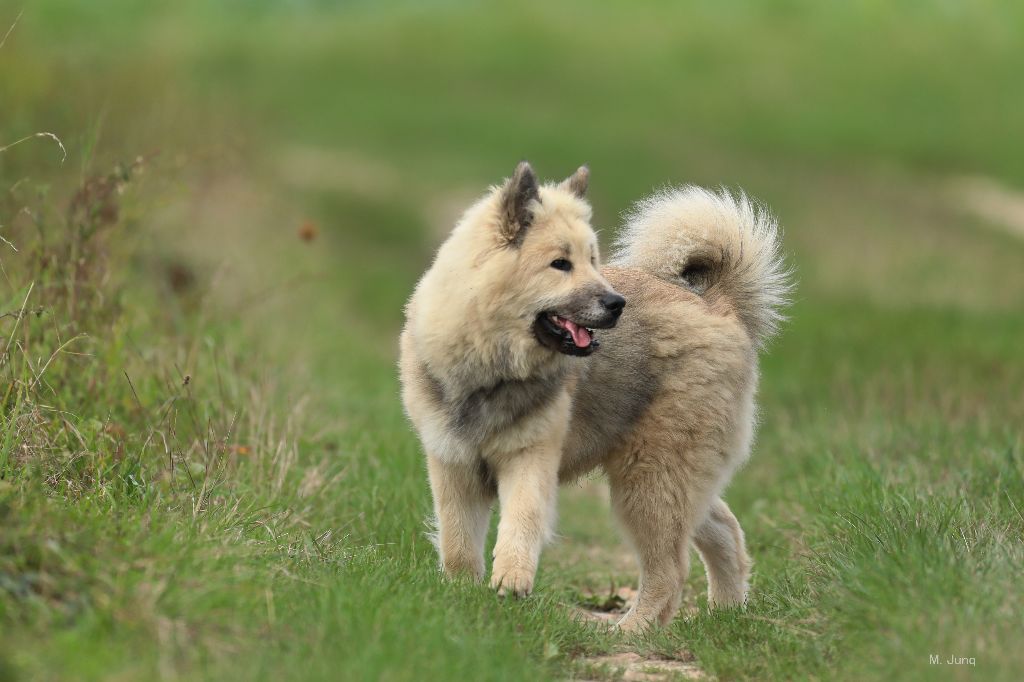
(632, 622)
(514, 581)
(455, 568)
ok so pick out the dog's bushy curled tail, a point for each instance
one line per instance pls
(716, 244)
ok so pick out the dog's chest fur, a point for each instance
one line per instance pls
(476, 413)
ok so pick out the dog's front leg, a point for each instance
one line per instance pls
(462, 508)
(527, 492)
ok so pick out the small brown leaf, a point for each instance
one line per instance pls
(308, 231)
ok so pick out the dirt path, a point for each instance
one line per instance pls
(633, 667)
(994, 202)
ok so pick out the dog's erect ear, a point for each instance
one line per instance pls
(577, 182)
(516, 196)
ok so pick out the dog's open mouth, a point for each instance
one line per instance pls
(564, 335)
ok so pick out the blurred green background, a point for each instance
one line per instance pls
(305, 159)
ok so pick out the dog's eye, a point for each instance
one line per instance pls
(561, 264)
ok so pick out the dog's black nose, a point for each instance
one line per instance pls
(613, 303)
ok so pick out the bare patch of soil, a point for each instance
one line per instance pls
(606, 609)
(992, 201)
(633, 667)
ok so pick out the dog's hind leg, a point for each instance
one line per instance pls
(660, 500)
(462, 506)
(719, 540)
(661, 545)
(649, 506)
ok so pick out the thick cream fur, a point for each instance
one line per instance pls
(667, 476)
(470, 327)
(682, 363)
(737, 236)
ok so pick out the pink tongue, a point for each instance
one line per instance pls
(580, 336)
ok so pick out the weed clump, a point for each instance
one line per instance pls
(104, 388)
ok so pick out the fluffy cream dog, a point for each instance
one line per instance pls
(490, 356)
(665, 407)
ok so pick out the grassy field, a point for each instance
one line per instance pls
(205, 472)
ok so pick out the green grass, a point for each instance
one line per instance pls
(265, 519)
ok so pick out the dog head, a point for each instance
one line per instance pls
(547, 263)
